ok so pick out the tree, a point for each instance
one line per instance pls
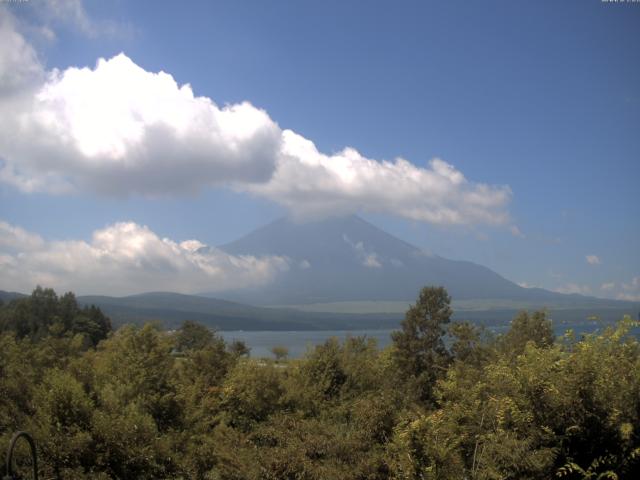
(44, 314)
(62, 423)
(536, 328)
(134, 367)
(280, 352)
(238, 349)
(419, 349)
(250, 393)
(469, 343)
(321, 374)
(193, 336)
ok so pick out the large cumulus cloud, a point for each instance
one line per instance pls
(118, 129)
(126, 258)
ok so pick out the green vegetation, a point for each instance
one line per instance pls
(143, 403)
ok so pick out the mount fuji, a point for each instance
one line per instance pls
(348, 259)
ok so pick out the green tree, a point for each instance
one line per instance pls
(238, 349)
(470, 343)
(90, 321)
(251, 392)
(320, 376)
(419, 349)
(139, 407)
(193, 336)
(45, 314)
(136, 366)
(525, 327)
(280, 352)
(19, 375)
(62, 424)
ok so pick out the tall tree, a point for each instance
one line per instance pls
(525, 327)
(419, 350)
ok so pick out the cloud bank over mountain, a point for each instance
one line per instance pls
(310, 183)
(117, 129)
(126, 258)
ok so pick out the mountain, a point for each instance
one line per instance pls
(346, 259)
(8, 296)
(171, 309)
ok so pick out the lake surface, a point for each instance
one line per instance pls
(298, 342)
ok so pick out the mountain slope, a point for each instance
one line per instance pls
(347, 258)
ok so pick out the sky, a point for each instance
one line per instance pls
(132, 133)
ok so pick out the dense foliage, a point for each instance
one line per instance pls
(44, 314)
(143, 403)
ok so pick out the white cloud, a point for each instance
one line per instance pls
(310, 183)
(69, 11)
(526, 285)
(118, 129)
(367, 258)
(607, 286)
(192, 245)
(127, 258)
(570, 288)
(593, 259)
(371, 261)
(20, 67)
(72, 15)
(516, 232)
(630, 291)
(634, 285)
(629, 297)
(304, 264)
(16, 238)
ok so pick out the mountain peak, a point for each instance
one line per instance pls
(346, 239)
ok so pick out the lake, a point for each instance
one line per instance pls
(261, 342)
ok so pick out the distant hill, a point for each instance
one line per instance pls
(347, 259)
(171, 309)
(8, 296)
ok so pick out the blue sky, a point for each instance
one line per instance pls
(538, 101)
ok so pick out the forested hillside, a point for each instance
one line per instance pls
(143, 403)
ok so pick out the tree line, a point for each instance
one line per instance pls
(143, 403)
